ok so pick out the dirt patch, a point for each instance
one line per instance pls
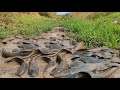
(52, 55)
(55, 36)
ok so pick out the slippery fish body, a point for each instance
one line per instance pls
(72, 76)
(60, 67)
(27, 46)
(23, 65)
(42, 49)
(50, 63)
(105, 55)
(79, 75)
(24, 42)
(45, 50)
(7, 53)
(90, 60)
(33, 69)
(82, 54)
(22, 69)
(54, 46)
(81, 68)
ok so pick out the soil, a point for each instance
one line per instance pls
(8, 70)
(109, 68)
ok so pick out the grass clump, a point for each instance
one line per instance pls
(31, 26)
(24, 24)
(101, 29)
(97, 32)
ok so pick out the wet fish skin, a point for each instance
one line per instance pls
(23, 65)
(45, 50)
(7, 54)
(72, 76)
(22, 69)
(24, 42)
(33, 69)
(50, 63)
(90, 60)
(57, 69)
(80, 68)
(79, 75)
(60, 67)
(28, 46)
(105, 55)
(82, 54)
(54, 46)
(76, 63)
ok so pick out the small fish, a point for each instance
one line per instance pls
(50, 63)
(7, 54)
(45, 50)
(60, 67)
(33, 69)
(22, 69)
(105, 55)
(90, 60)
(80, 68)
(23, 65)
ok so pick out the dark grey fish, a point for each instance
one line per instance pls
(54, 46)
(83, 54)
(79, 75)
(7, 54)
(45, 51)
(104, 55)
(72, 76)
(50, 63)
(60, 67)
(23, 65)
(80, 68)
(28, 46)
(22, 69)
(76, 62)
(25, 52)
(90, 60)
(33, 69)
(24, 42)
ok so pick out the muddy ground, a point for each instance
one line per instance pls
(8, 70)
(9, 66)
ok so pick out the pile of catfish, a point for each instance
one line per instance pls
(53, 55)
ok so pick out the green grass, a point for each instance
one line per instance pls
(27, 25)
(32, 26)
(97, 32)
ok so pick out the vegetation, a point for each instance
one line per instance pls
(99, 29)
(25, 24)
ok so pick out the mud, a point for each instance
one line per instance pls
(53, 55)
